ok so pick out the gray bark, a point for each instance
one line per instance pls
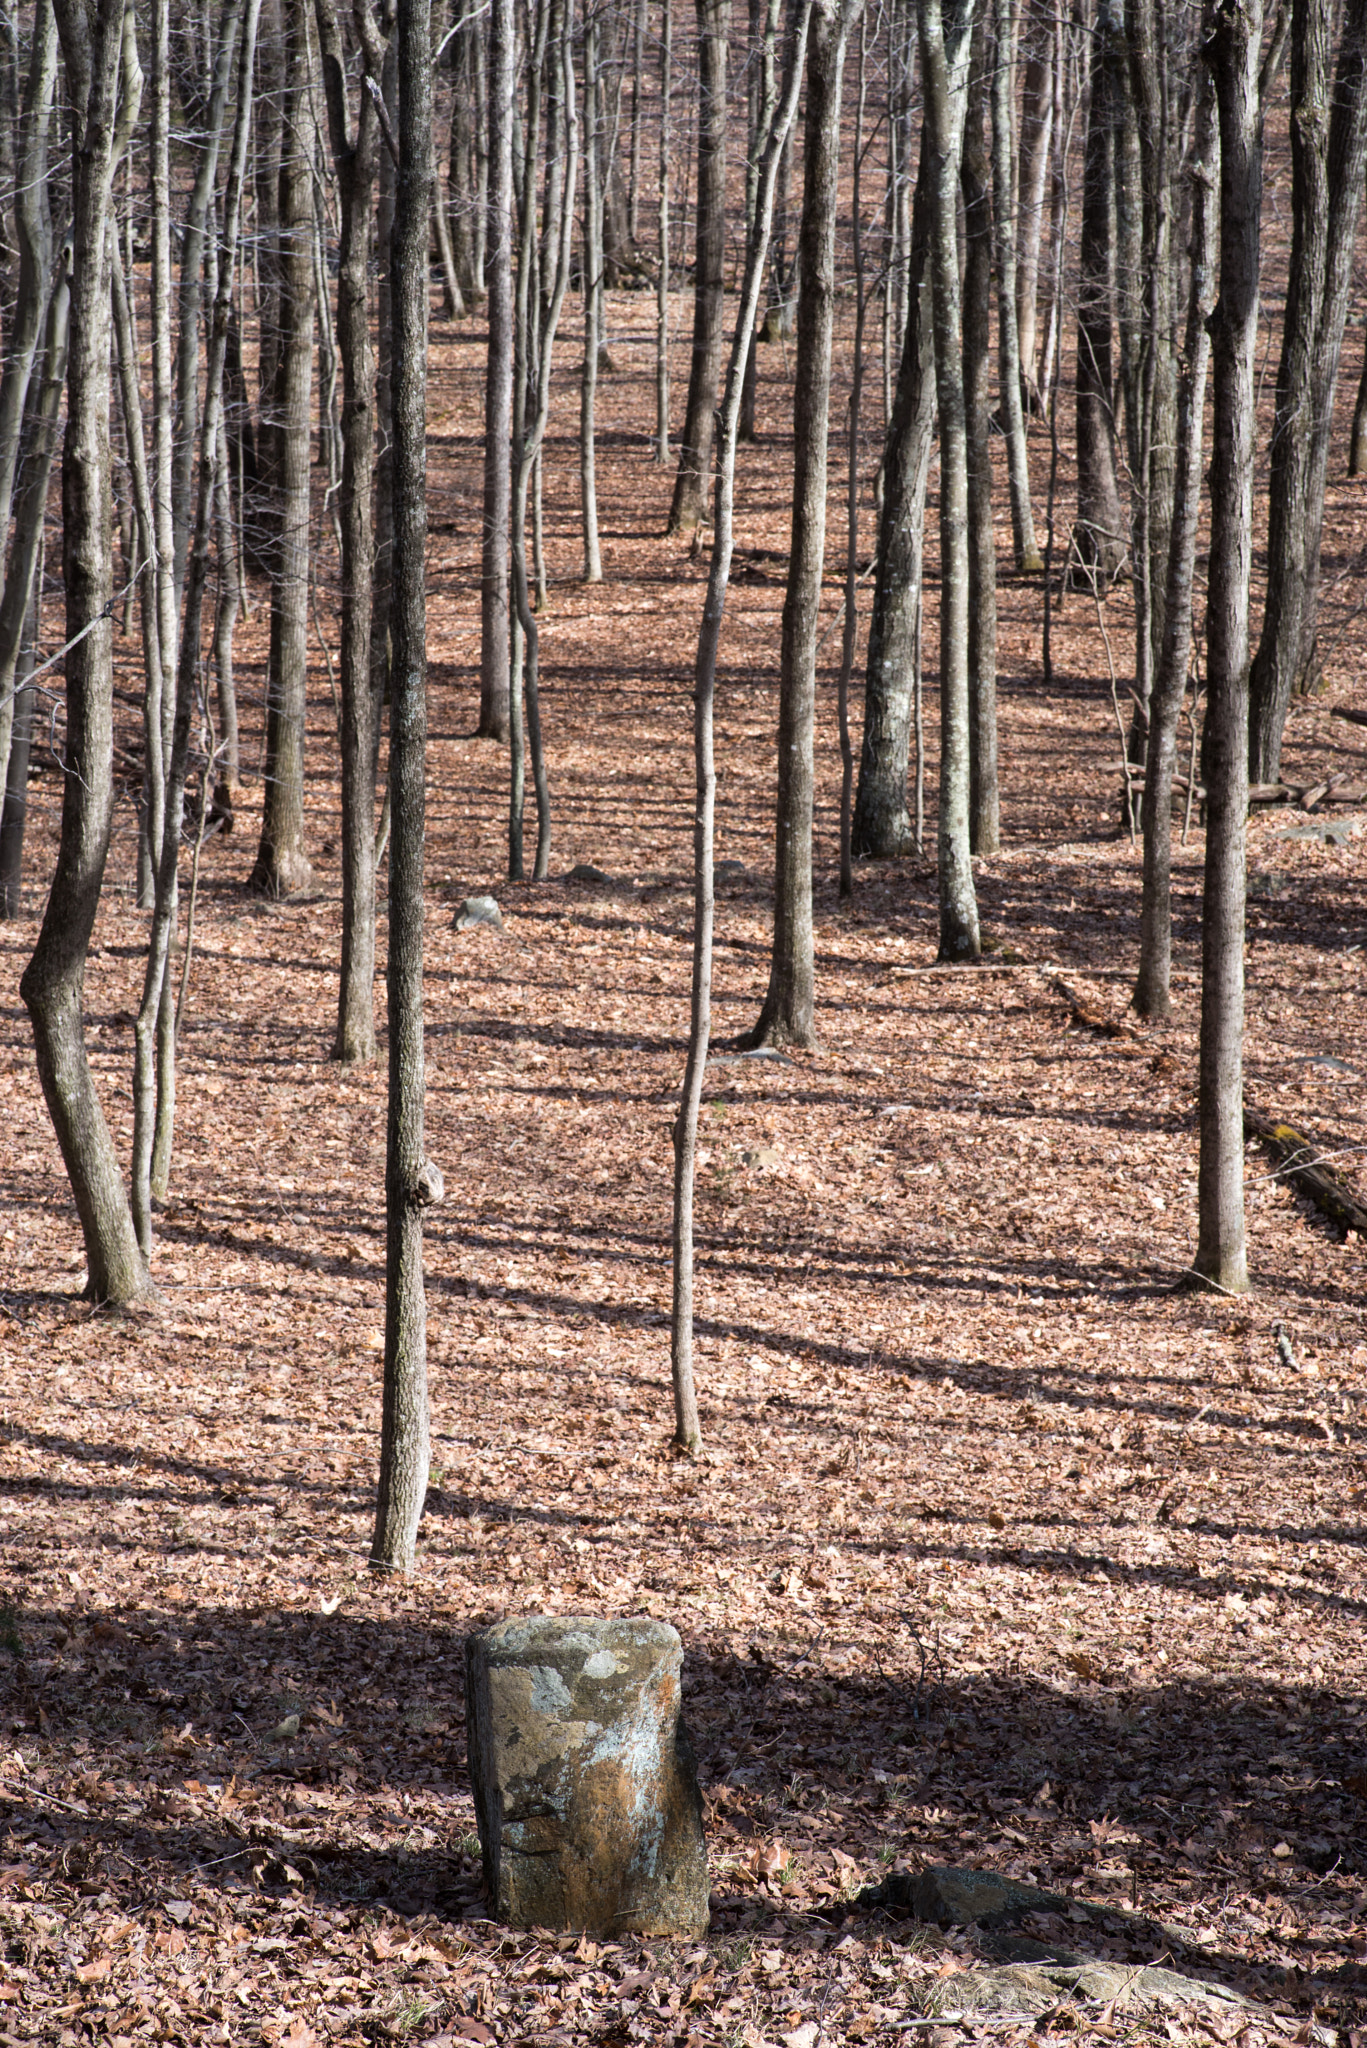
(494, 662)
(1036, 142)
(695, 451)
(1328, 160)
(593, 301)
(1232, 53)
(1029, 561)
(411, 1182)
(788, 1015)
(984, 820)
(53, 982)
(946, 39)
(1099, 536)
(33, 232)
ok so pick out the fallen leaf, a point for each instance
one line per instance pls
(94, 1972)
(330, 1606)
(804, 2036)
(286, 1730)
(178, 1910)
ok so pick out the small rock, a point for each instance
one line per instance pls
(762, 1155)
(586, 872)
(585, 1788)
(477, 910)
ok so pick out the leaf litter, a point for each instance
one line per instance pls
(1000, 1553)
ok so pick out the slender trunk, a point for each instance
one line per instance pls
(41, 416)
(33, 232)
(1232, 53)
(662, 282)
(1099, 535)
(763, 94)
(882, 827)
(225, 625)
(14, 815)
(593, 292)
(411, 1182)
(946, 40)
(494, 670)
(687, 1426)
(1036, 146)
(355, 157)
(282, 867)
(1029, 561)
(851, 621)
(984, 823)
(695, 453)
(53, 982)
(1328, 159)
(788, 1016)
(1152, 997)
(638, 68)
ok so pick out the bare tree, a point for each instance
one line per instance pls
(411, 1181)
(984, 823)
(53, 982)
(946, 41)
(494, 659)
(1099, 536)
(1232, 51)
(1029, 561)
(687, 1427)
(695, 450)
(788, 1016)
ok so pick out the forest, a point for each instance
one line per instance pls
(684, 759)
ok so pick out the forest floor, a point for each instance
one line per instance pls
(1001, 1551)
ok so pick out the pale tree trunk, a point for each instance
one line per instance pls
(788, 1016)
(411, 1181)
(1328, 157)
(1036, 143)
(53, 982)
(662, 281)
(33, 232)
(882, 827)
(1152, 995)
(154, 1032)
(494, 664)
(695, 452)
(354, 155)
(1029, 561)
(687, 1425)
(1099, 536)
(850, 629)
(17, 616)
(593, 299)
(1232, 53)
(763, 94)
(984, 820)
(946, 40)
(282, 866)
(14, 815)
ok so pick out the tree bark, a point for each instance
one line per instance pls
(282, 866)
(593, 299)
(695, 451)
(494, 664)
(1036, 142)
(1232, 53)
(687, 1425)
(882, 827)
(662, 281)
(1328, 160)
(946, 40)
(1099, 535)
(53, 982)
(1029, 561)
(984, 820)
(355, 157)
(33, 232)
(411, 1181)
(789, 1013)
(1152, 996)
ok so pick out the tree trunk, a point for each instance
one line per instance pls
(1029, 561)
(33, 232)
(53, 982)
(946, 40)
(1099, 536)
(411, 1182)
(687, 1427)
(14, 815)
(984, 822)
(494, 668)
(41, 416)
(282, 867)
(695, 452)
(1036, 146)
(1232, 53)
(850, 628)
(354, 155)
(1328, 158)
(882, 827)
(593, 295)
(788, 1016)
(662, 281)
(1152, 997)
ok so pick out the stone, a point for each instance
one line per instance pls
(586, 1792)
(477, 910)
(596, 878)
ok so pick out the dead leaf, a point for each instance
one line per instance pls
(94, 1972)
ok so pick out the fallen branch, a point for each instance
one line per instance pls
(1302, 1162)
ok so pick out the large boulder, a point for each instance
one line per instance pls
(585, 1787)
